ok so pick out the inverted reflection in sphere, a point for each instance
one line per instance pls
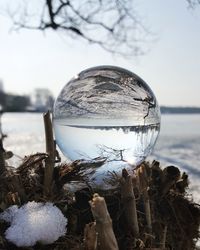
(107, 112)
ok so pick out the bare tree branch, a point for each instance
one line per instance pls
(113, 25)
(193, 3)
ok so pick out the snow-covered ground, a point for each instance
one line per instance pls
(178, 143)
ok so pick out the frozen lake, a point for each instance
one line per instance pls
(178, 143)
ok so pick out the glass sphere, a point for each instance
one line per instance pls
(109, 112)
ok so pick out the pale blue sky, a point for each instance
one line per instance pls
(31, 59)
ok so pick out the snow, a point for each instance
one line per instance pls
(34, 222)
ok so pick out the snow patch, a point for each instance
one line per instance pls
(34, 222)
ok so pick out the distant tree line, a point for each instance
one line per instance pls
(23, 103)
(13, 102)
(180, 110)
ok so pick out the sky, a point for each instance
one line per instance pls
(32, 59)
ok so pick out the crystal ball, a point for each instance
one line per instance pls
(107, 112)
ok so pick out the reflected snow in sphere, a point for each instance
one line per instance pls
(107, 112)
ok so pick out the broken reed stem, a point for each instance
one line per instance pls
(129, 202)
(143, 180)
(17, 186)
(50, 150)
(90, 236)
(1, 133)
(147, 210)
(2, 160)
(105, 236)
(164, 236)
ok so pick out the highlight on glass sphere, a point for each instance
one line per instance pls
(109, 112)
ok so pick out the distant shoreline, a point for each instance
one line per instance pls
(179, 110)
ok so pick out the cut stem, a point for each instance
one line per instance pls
(90, 236)
(128, 198)
(164, 238)
(50, 160)
(106, 237)
(143, 179)
(2, 161)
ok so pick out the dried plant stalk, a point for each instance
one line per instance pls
(143, 180)
(2, 161)
(50, 149)
(128, 198)
(106, 238)
(164, 238)
(12, 199)
(18, 186)
(171, 175)
(90, 236)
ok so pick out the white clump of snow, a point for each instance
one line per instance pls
(34, 222)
